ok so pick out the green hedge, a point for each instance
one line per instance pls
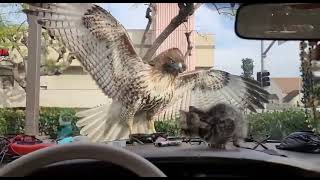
(277, 124)
(169, 127)
(12, 120)
(49, 120)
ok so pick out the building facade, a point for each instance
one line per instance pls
(285, 92)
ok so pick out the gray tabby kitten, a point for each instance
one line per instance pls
(216, 126)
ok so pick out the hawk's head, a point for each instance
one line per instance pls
(170, 61)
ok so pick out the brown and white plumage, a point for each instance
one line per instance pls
(208, 87)
(140, 93)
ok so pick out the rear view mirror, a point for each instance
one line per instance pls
(279, 21)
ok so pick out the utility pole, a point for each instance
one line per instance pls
(262, 62)
(263, 56)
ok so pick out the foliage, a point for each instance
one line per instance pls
(278, 124)
(49, 120)
(50, 65)
(8, 29)
(310, 86)
(7, 32)
(12, 120)
(169, 127)
(13, 36)
(247, 67)
(313, 120)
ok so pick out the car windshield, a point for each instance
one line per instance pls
(124, 71)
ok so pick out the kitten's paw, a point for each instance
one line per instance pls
(217, 146)
(236, 144)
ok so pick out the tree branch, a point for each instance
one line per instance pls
(227, 13)
(186, 10)
(149, 16)
(21, 25)
(61, 51)
(24, 39)
(45, 72)
(189, 48)
(65, 57)
(197, 6)
(16, 74)
(11, 12)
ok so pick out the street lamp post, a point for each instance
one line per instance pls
(264, 53)
(262, 62)
(263, 56)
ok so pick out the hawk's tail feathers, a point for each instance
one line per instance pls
(102, 123)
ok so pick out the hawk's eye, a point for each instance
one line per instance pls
(184, 66)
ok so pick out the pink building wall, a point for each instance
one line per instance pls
(164, 13)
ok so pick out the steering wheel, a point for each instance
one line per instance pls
(29, 163)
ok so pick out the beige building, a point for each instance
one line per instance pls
(76, 88)
(285, 92)
(203, 49)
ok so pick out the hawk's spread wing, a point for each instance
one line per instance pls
(205, 88)
(99, 41)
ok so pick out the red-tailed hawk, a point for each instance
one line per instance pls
(140, 92)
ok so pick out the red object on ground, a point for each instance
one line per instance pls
(4, 52)
(23, 144)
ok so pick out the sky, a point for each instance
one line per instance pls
(281, 61)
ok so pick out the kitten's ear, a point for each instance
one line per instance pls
(217, 109)
(199, 112)
(196, 110)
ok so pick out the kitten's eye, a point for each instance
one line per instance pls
(172, 61)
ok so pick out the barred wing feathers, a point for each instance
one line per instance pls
(100, 43)
(205, 88)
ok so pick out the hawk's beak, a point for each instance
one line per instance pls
(180, 68)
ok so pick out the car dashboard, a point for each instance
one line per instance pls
(190, 161)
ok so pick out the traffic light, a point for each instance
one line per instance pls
(264, 77)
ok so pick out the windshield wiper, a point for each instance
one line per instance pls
(265, 148)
